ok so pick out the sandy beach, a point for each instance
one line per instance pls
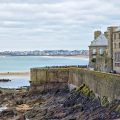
(75, 56)
(14, 73)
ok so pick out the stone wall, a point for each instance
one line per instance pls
(99, 62)
(45, 79)
(103, 84)
(116, 51)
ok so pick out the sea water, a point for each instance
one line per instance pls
(24, 63)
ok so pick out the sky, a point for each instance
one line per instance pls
(54, 24)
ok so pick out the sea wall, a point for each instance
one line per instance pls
(47, 79)
(103, 84)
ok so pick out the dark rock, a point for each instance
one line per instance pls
(21, 117)
(7, 112)
(79, 104)
(1, 92)
(19, 101)
(5, 80)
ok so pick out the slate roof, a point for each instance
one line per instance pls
(100, 41)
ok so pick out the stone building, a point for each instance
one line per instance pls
(116, 50)
(98, 52)
(110, 31)
(104, 50)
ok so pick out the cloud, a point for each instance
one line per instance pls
(71, 21)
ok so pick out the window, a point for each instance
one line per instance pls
(119, 35)
(101, 51)
(119, 45)
(117, 64)
(115, 45)
(94, 56)
(94, 51)
(117, 57)
(114, 36)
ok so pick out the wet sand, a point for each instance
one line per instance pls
(69, 56)
(14, 73)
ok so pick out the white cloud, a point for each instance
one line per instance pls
(69, 20)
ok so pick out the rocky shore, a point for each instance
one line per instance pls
(5, 80)
(79, 104)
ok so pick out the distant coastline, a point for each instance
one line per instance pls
(45, 53)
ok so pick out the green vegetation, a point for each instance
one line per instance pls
(118, 108)
(104, 101)
(84, 89)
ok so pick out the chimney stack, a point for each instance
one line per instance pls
(97, 34)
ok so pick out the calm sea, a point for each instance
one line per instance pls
(24, 63)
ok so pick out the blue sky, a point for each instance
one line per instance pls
(54, 24)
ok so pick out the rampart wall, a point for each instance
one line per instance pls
(103, 84)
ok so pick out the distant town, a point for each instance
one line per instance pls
(46, 53)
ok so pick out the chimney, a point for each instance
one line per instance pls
(110, 31)
(106, 34)
(97, 34)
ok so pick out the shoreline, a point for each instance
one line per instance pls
(27, 73)
(14, 73)
(81, 56)
(72, 56)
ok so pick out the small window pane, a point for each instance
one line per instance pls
(115, 45)
(101, 51)
(94, 51)
(114, 36)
